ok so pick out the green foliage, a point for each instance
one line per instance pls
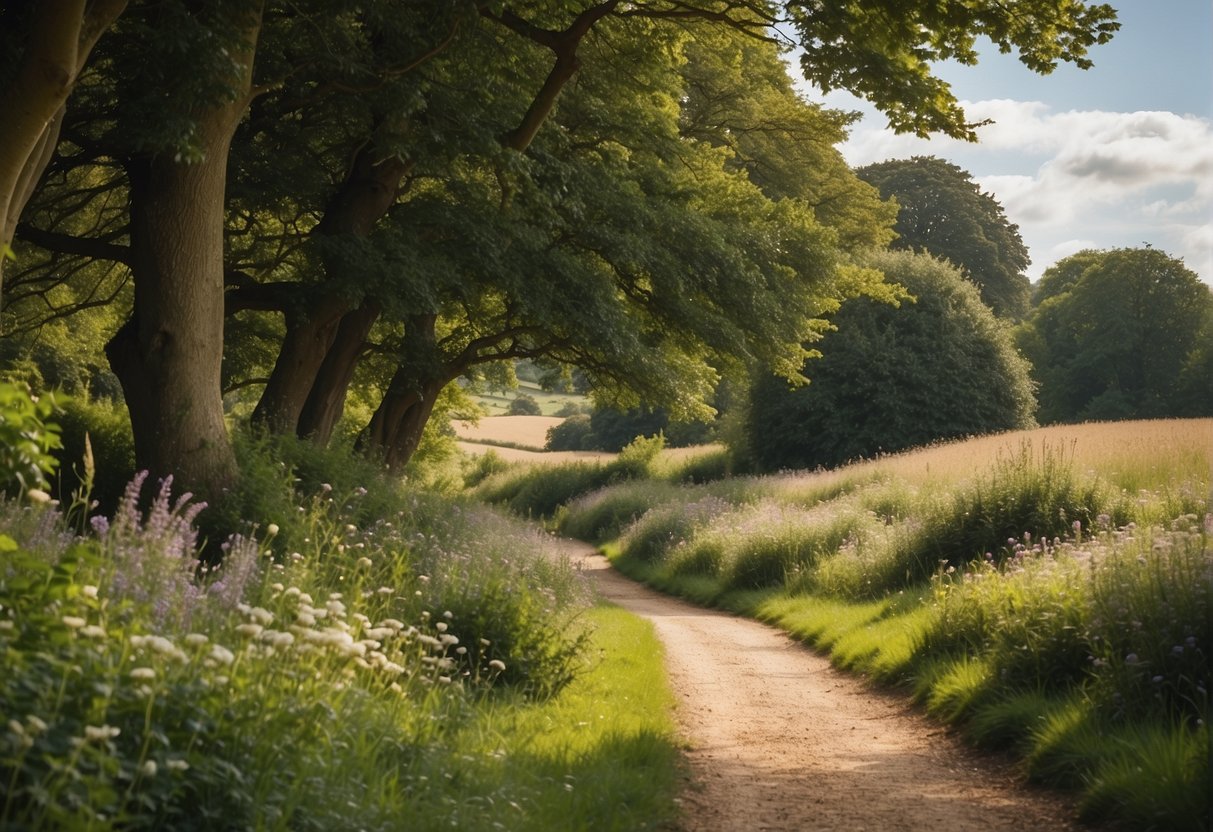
(884, 50)
(540, 490)
(1120, 334)
(892, 377)
(575, 433)
(28, 438)
(943, 212)
(524, 405)
(107, 428)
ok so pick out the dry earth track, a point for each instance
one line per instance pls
(781, 741)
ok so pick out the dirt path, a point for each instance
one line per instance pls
(780, 740)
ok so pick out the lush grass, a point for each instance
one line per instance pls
(1048, 591)
(366, 657)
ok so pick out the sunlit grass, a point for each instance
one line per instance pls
(1047, 590)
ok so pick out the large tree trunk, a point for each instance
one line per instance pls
(326, 402)
(362, 200)
(168, 355)
(62, 34)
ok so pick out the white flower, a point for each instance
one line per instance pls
(196, 639)
(363, 562)
(100, 734)
(6, 625)
(261, 616)
(143, 674)
(36, 725)
(148, 769)
(88, 591)
(16, 727)
(37, 495)
(498, 665)
(271, 529)
(176, 765)
(221, 654)
(250, 630)
(74, 622)
(93, 631)
(441, 626)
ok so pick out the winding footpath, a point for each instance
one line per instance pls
(781, 741)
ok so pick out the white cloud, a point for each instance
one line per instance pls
(1090, 178)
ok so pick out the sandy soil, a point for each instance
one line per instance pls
(780, 740)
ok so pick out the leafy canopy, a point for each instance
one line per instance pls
(890, 377)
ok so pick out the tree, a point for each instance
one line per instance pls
(371, 181)
(56, 41)
(1119, 334)
(937, 366)
(943, 212)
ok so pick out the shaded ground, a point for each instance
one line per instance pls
(780, 740)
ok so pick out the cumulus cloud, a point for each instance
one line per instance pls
(1091, 177)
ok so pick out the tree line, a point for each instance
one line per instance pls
(330, 203)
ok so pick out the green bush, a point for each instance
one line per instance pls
(27, 439)
(573, 434)
(108, 428)
(892, 378)
(524, 405)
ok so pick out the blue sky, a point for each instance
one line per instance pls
(1118, 155)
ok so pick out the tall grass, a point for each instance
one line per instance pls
(360, 659)
(1049, 590)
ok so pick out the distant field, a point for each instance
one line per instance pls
(499, 403)
(528, 431)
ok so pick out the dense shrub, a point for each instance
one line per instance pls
(108, 428)
(524, 405)
(891, 378)
(573, 434)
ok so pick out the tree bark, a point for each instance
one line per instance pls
(62, 35)
(363, 199)
(168, 355)
(395, 429)
(326, 402)
(309, 334)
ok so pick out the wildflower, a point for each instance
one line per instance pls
(196, 639)
(38, 496)
(143, 674)
(88, 591)
(250, 630)
(93, 631)
(7, 624)
(261, 616)
(271, 529)
(103, 733)
(221, 655)
(73, 622)
(148, 769)
(498, 665)
(441, 626)
(36, 725)
(16, 727)
(364, 562)
(176, 765)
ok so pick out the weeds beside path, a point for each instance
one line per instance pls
(780, 740)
